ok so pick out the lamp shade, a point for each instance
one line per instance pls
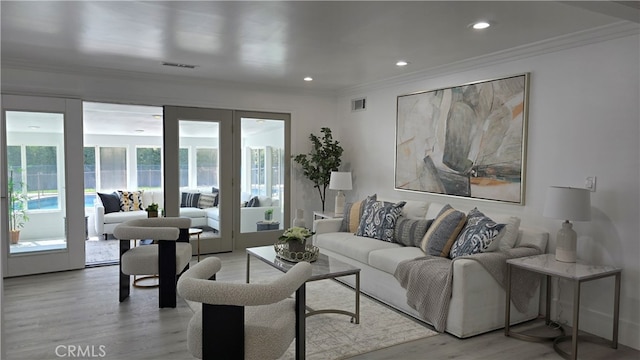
(568, 203)
(340, 180)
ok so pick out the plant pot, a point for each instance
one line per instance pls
(15, 236)
(152, 214)
(297, 246)
(268, 217)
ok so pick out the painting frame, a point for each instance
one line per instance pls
(466, 141)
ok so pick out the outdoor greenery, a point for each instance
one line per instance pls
(17, 204)
(321, 161)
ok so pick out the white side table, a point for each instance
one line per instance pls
(578, 273)
(325, 215)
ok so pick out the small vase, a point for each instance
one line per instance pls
(297, 246)
(299, 219)
(268, 217)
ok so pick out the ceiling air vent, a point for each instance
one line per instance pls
(184, 66)
(358, 104)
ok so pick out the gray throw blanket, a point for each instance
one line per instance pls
(429, 280)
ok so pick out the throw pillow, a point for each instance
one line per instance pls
(409, 232)
(253, 202)
(190, 199)
(353, 213)
(476, 236)
(443, 232)
(511, 232)
(130, 200)
(206, 200)
(379, 220)
(216, 200)
(111, 202)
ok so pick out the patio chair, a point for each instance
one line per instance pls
(242, 321)
(167, 257)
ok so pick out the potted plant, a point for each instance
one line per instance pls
(17, 208)
(152, 210)
(323, 158)
(296, 238)
(268, 214)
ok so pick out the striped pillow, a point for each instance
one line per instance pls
(409, 232)
(190, 199)
(206, 201)
(130, 200)
(443, 232)
(353, 213)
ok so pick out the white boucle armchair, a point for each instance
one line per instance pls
(167, 257)
(224, 329)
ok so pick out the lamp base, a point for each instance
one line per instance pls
(339, 208)
(566, 243)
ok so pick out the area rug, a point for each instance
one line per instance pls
(333, 336)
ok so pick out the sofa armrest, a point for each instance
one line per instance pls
(323, 226)
(99, 217)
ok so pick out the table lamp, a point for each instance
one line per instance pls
(569, 204)
(340, 181)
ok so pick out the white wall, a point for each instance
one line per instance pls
(584, 120)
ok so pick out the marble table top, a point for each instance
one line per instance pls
(547, 264)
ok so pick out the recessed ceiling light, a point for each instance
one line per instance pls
(139, 130)
(34, 127)
(480, 25)
(402, 63)
(308, 78)
(157, 116)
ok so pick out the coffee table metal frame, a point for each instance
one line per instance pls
(321, 269)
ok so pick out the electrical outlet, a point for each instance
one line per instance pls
(590, 183)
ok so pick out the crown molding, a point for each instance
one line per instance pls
(559, 43)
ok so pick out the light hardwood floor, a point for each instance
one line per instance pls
(50, 312)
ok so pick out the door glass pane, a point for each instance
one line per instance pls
(262, 179)
(183, 164)
(89, 176)
(35, 154)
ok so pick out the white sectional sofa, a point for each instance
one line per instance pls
(477, 299)
(249, 216)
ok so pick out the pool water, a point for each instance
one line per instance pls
(51, 202)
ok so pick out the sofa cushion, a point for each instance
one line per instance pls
(192, 212)
(409, 232)
(415, 209)
(111, 202)
(476, 236)
(387, 260)
(511, 231)
(131, 200)
(349, 245)
(443, 232)
(206, 200)
(353, 213)
(213, 213)
(122, 216)
(379, 220)
(190, 199)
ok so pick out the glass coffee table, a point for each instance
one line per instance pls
(324, 267)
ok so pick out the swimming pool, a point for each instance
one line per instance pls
(51, 202)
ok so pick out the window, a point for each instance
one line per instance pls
(40, 177)
(149, 167)
(277, 172)
(258, 179)
(207, 167)
(113, 167)
(183, 165)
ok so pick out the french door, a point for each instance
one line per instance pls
(43, 221)
(238, 156)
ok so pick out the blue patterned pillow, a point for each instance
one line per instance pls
(476, 236)
(379, 220)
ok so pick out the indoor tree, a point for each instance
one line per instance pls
(321, 161)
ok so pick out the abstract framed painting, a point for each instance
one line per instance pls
(466, 141)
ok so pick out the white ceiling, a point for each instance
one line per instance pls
(340, 44)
